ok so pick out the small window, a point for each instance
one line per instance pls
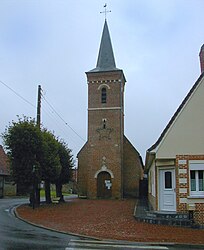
(197, 182)
(200, 180)
(168, 180)
(193, 181)
(103, 95)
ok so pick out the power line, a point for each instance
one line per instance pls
(61, 129)
(49, 112)
(52, 108)
(62, 118)
(17, 94)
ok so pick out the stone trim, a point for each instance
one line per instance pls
(182, 171)
(103, 85)
(182, 190)
(182, 180)
(182, 162)
(105, 81)
(105, 108)
(104, 169)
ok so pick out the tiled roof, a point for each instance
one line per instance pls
(4, 165)
(176, 114)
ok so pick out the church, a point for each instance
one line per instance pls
(108, 164)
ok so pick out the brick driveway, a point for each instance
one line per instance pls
(106, 219)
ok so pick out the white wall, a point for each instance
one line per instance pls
(151, 180)
(186, 135)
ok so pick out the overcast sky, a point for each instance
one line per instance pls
(54, 42)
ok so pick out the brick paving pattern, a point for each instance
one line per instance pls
(106, 219)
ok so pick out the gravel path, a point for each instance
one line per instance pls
(106, 219)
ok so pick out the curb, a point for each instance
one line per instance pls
(48, 228)
(174, 244)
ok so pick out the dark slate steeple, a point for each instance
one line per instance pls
(106, 60)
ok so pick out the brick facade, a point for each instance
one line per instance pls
(131, 171)
(183, 196)
(107, 149)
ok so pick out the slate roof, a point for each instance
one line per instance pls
(4, 165)
(176, 113)
(106, 60)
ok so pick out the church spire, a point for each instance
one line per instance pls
(106, 60)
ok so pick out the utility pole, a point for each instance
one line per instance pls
(39, 106)
(37, 188)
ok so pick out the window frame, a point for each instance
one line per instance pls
(168, 180)
(196, 167)
(103, 95)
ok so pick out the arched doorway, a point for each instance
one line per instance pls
(104, 185)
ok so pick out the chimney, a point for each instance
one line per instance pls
(201, 55)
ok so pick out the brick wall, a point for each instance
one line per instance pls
(132, 170)
(199, 213)
(104, 149)
(82, 170)
(183, 197)
(111, 153)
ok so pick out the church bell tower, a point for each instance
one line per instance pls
(101, 160)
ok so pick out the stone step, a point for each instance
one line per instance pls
(165, 221)
(180, 216)
(144, 213)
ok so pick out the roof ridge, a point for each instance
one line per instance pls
(187, 97)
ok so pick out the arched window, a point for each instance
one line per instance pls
(103, 95)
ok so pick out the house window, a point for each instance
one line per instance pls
(168, 179)
(197, 182)
(103, 95)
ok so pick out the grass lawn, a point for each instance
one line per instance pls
(53, 193)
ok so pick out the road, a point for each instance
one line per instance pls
(123, 245)
(16, 234)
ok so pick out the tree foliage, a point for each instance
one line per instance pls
(49, 159)
(28, 146)
(23, 142)
(66, 161)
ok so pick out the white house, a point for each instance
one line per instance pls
(175, 163)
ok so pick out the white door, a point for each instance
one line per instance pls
(167, 190)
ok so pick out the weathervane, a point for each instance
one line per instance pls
(105, 11)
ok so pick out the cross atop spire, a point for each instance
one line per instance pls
(105, 10)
